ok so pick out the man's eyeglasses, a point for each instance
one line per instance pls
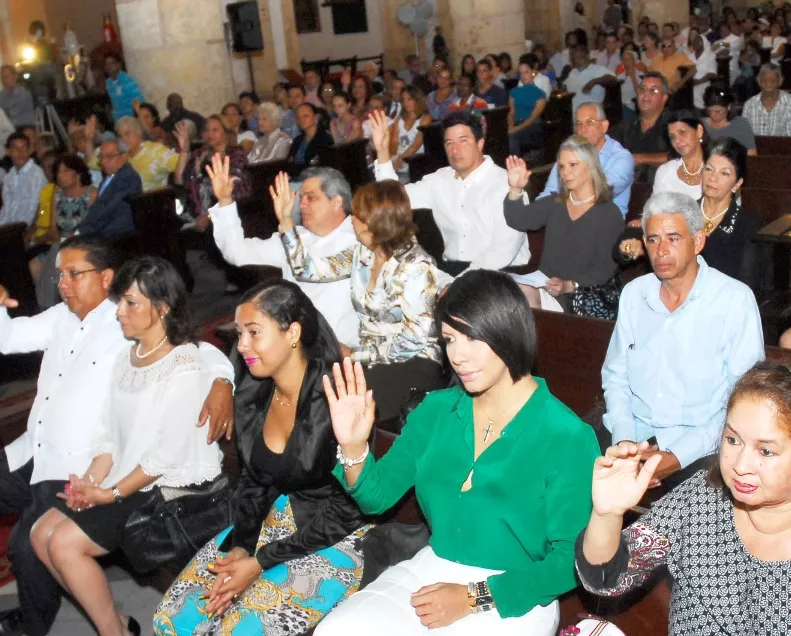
(667, 45)
(72, 275)
(585, 123)
(652, 91)
(106, 157)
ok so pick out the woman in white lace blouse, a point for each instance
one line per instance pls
(148, 439)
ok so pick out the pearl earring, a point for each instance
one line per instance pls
(293, 345)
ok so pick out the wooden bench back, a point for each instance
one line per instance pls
(350, 159)
(257, 212)
(767, 171)
(766, 145)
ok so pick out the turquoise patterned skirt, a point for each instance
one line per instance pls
(286, 600)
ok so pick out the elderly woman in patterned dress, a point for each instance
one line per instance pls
(725, 535)
(394, 285)
(292, 552)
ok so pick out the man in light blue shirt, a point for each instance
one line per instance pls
(616, 161)
(122, 89)
(684, 335)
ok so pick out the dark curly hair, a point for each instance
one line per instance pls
(73, 162)
(158, 281)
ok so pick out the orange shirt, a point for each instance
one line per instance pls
(669, 66)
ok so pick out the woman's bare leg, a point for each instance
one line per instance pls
(73, 555)
(39, 539)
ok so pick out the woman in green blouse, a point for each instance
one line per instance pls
(501, 470)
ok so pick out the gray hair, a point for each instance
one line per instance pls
(333, 184)
(771, 67)
(273, 110)
(599, 109)
(119, 143)
(192, 129)
(131, 122)
(588, 155)
(674, 203)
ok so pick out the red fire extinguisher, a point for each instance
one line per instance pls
(110, 35)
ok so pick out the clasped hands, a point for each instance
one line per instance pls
(81, 493)
(234, 574)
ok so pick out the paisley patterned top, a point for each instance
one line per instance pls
(718, 587)
(397, 317)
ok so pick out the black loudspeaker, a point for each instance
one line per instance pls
(245, 26)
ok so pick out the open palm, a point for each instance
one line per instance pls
(619, 481)
(380, 131)
(518, 174)
(220, 174)
(283, 199)
(352, 407)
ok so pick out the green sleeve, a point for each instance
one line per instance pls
(568, 500)
(382, 483)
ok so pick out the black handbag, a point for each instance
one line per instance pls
(598, 301)
(175, 523)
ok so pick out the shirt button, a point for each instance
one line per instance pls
(46, 398)
(39, 445)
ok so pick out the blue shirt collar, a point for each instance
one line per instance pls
(651, 292)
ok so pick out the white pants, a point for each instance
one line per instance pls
(383, 607)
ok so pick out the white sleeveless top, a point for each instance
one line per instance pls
(406, 138)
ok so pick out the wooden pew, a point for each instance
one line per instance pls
(257, 212)
(766, 171)
(723, 70)
(159, 228)
(428, 235)
(433, 156)
(641, 192)
(613, 103)
(767, 145)
(558, 124)
(350, 159)
(496, 134)
(769, 204)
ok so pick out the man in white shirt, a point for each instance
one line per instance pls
(705, 69)
(610, 57)
(23, 184)
(81, 340)
(466, 197)
(325, 204)
(586, 80)
(730, 44)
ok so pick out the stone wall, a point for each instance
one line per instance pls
(489, 26)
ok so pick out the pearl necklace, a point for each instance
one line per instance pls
(692, 174)
(583, 202)
(708, 226)
(143, 356)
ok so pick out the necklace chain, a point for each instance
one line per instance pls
(708, 226)
(279, 400)
(143, 356)
(583, 202)
(692, 174)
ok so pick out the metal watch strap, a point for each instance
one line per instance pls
(117, 495)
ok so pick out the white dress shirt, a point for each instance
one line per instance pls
(333, 300)
(577, 80)
(469, 213)
(21, 191)
(74, 384)
(705, 64)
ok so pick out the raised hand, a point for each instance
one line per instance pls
(183, 136)
(90, 127)
(380, 135)
(221, 180)
(619, 480)
(346, 78)
(352, 407)
(6, 300)
(518, 174)
(284, 200)
(136, 105)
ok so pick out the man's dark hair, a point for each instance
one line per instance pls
(531, 60)
(464, 117)
(99, 252)
(669, 24)
(115, 57)
(483, 61)
(653, 37)
(17, 136)
(299, 86)
(661, 78)
(489, 306)
(252, 95)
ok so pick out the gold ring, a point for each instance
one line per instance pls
(628, 247)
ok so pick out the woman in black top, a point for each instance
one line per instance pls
(582, 223)
(729, 229)
(309, 145)
(309, 538)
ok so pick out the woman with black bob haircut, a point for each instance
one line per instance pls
(291, 520)
(499, 468)
(718, 99)
(147, 441)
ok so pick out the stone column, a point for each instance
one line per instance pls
(661, 11)
(488, 26)
(179, 46)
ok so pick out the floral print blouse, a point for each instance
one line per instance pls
(397, 317)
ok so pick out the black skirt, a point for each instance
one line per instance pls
(105, 524)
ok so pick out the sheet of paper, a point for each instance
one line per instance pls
(534, 279)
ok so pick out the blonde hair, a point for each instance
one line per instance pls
(230, 135)
(588, 155)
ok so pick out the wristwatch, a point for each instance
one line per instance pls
(117, 495)
(574, 286)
